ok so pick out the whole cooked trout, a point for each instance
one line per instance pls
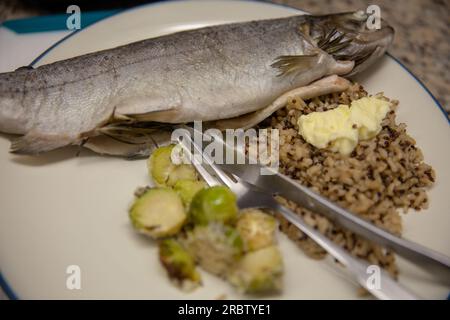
(208, 74)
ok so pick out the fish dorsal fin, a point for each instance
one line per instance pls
(293, 64)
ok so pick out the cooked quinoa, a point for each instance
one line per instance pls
(380, 177)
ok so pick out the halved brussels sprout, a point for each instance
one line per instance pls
(187, 189)
(257, 229)
(164, 172)
(216, 247)
(179, 264)
(159, 212)
(215, 204)
(182, 172)
(259, 271)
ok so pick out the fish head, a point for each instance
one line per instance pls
(351, 36)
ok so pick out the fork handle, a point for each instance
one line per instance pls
(388, 288)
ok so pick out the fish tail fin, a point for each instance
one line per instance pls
(35, 143)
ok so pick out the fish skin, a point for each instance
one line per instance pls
(327, 85)
(206, 74)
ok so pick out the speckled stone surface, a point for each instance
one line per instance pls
(422, 27)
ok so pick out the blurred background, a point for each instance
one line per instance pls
(422, 27)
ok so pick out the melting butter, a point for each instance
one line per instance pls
(341, 128)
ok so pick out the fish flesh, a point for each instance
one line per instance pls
(221, 72)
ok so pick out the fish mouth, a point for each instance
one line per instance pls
(351, 36)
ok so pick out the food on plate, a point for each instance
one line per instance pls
(257, 229)
(179, 264)
(116, 101)
(259, 271)
(342, 127)
(200, 225)
(381, 176)
(367, 113)
(214, 204)
(158, 213)
(187, 189)
(383, 172)
(215, 246)
(164, 172)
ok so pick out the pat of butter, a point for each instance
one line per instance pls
(341, 128)
(367, 114)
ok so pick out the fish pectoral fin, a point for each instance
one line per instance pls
(320, 87)
(293, 64)
(35, 143)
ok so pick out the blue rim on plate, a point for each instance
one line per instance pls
(7, 289)
(56, 22)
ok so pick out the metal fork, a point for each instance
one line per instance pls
(250, 196)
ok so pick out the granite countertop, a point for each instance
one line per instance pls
(422, 27)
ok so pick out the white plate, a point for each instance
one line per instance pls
(59, 210)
